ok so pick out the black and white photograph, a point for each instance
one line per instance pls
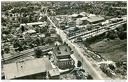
(63, 40)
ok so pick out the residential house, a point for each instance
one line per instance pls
(30, 25)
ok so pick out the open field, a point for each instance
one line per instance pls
(115, 50)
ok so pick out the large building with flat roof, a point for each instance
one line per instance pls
(94, 19)
(31, 69)
(89, 20)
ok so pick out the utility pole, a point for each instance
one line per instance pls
(82, 63)
(47, 77)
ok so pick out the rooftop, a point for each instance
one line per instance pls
(74, 15)
(31, 31)
(83, 18)
(94, 18)
(34, 23)
(42, 35)
(62, 50)
(53, 35)
(54, 72)
(24, 68)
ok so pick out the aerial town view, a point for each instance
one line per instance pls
(64, 40)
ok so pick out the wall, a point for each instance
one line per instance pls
(54, 77)
(65, 64)
(34, 76)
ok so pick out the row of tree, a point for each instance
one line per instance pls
(120, 33)
(23, 44)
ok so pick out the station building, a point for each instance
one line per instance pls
(89, 20)
(63, 58)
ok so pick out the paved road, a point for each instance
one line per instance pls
(94, 71)
(78, 54)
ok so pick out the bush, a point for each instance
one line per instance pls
(89, 76)
(94, 39)
(47, 34)
(38, 52)
(122, 35)
(111, 66)
(7, 49)
(112, 36)
(119, 64)
(79, 64)
(48, 40)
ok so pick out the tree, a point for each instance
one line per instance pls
(42, 40)
(48, 40)
(111, 66)
(125, 26)
(3, 20)
(79, 38)
(111, 36)
(65, 43)
(20, 48)
(24, 20)
(10, 15)
(89, 76)
(79, 64)
(4, 23)
(37, 29)
(52, 31)
(58, 38)
(89, 27)
(47, 34)
(7, 49)
(2, 54)
(6, 13)
(22, 29)
(31, 45)
(6, 31)
(122, 35)
(43, 29)
(82, 70)
(3, 77)
(118, 64)
(16, 44)
(76, 29)
(30, 18)
(38, 52)
(38, 41)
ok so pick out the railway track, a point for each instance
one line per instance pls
(23, 55)
(96, 30)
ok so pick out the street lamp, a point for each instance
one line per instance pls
(82, 62)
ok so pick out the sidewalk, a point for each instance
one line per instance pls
(94, 64)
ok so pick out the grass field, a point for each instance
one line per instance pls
(115, 50)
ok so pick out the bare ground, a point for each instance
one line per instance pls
(115, 50)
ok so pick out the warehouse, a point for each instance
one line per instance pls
(31, 69)
(91, 20)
